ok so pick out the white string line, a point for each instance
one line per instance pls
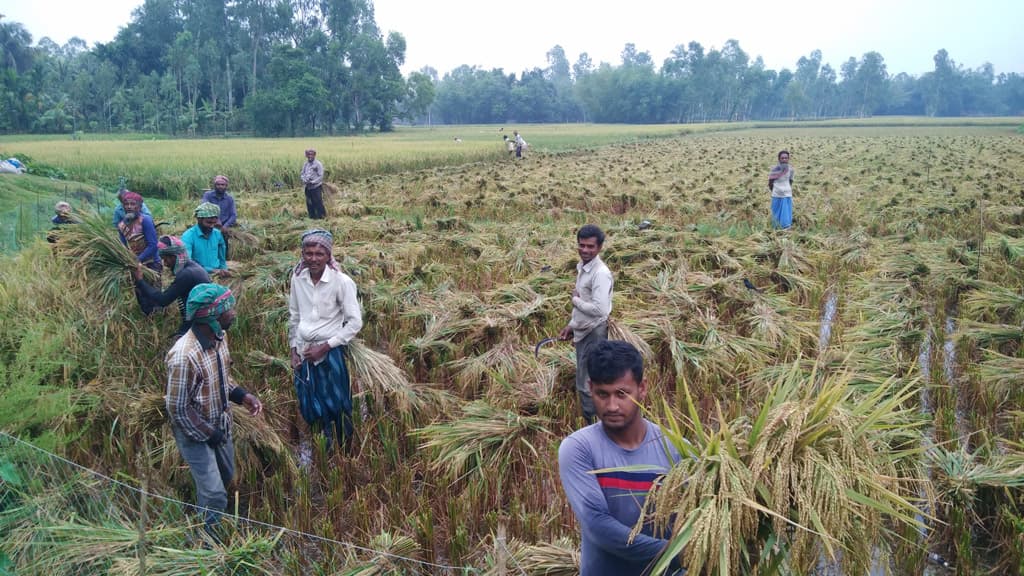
(461, 569)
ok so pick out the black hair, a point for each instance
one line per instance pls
(591, 231)
(786, 152)
(611, 359)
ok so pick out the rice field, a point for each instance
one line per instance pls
(859, 412)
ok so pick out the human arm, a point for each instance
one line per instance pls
(240, 395)
(600, 304)
(588, 502)
(352, 321)
(294, 316)
(149, 232)
(228, 215)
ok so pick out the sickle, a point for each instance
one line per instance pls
(536, 349)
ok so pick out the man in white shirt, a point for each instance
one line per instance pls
(324, 316)
(591, 305)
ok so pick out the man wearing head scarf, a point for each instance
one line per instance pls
(204, 243)
(119, 209)
(219, 195)
(138, 233)
(312, 177)
(199, 385)
(324, 316)
(62, 216)
(187, 275)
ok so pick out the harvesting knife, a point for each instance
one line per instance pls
(536, 349)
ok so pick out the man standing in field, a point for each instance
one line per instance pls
(138, 232)
(187, 275)
(204, 243)
(227, 218)
(520, 144)
(199, 386)
(608, 503)
(312, 177)
(323, 317)
(780, 182)
(119, 210)
(591, 305)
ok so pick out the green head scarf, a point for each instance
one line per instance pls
(206, 302)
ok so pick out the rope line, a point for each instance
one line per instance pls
(196, 507)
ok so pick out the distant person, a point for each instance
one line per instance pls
(324, 316)
(220, 196)
(199, 385)
(119, 209)
(205, 243)
(312, 177)
(510, 145)
(520, 144)
(591, 305)
(138, 233)
(780, 183)
(62, 216)
(608, 503)
(187, 275)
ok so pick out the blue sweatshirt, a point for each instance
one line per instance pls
(607, 505)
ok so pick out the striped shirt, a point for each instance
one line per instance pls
(197, 396)
(607, 503)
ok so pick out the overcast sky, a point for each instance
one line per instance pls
(516, 34)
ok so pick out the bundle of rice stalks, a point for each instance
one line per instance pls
(94, 248)
(376, 374)
(558, 558)
(505, 360)
(993, 303)
(244, 244)
(250, 554)
(1000, 374)
(485, 441)
(820, 469)
(394, 555)
(620, 331)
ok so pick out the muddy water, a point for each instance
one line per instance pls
(828, 315)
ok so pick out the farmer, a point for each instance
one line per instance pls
(510, 145)
(199, 386)
(591, 305)
(138, 233)
(312, 177)
(520, 144)
(324, 316)
(228, 217)
(780, 182)
(62, 216)
(204, 243)
(607, 503)
(119, 209)
(187, 275)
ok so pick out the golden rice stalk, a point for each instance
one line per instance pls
(375, 373)
(94, 248)
(558, 558)
(391, 552)
(484, 441)
(244, 244)
(1001, 374)
(249, 554)
(620, 331)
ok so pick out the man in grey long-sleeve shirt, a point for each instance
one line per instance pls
(607, 503)
(591, 305)
(312, 176)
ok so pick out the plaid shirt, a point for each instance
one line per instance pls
(197, 400)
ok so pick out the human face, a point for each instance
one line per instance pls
(169, 260)
(310, 156)
(588, 249)
(783, 158)
(315, 257)
(130, 205)
(220, 186)
(207, 224)
(226, 319)
(618, 403)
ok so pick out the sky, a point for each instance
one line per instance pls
(516, 35)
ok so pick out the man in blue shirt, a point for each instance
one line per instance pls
(608, 503)
(219, 195)
(204, 243)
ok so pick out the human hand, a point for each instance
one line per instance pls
(565, 334)
(253, 404)
(137, 272)
(316, 353)
(215, 439)
(296, 360)
(222, 273)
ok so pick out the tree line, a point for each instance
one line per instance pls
(298, 67)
